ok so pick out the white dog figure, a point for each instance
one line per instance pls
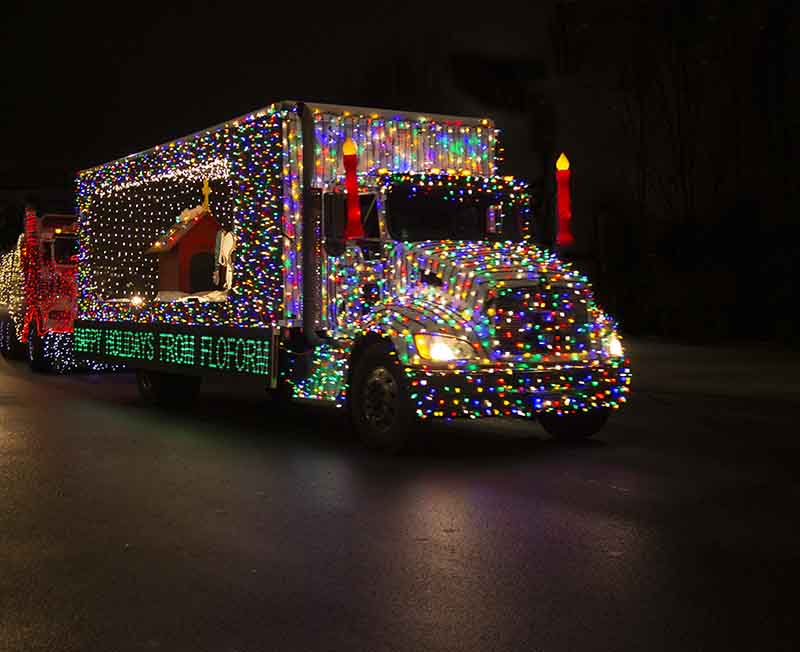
(227, 245)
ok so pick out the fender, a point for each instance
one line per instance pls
(399, 322)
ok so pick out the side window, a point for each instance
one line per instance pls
(47, 252)
(334, 211)
(334, 218)
(369, 214)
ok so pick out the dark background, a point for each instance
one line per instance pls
(680, 120)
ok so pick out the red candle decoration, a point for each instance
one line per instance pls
(564, 237)
(353, 230)
(31, 265)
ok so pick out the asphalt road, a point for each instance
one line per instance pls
(244, 526)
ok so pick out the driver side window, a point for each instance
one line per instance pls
(369, 214)
(334, 218)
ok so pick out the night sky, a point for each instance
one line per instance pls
(85, 86)
(679, 118)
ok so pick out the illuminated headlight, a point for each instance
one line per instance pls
(443, 348)
(613, 346)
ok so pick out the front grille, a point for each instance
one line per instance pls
(58, 315)
(540, 322)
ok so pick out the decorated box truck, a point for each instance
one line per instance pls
(38, 292)
(369, 258)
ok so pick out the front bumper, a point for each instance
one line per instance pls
(505, 392)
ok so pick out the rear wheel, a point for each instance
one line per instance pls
(380, 407)
(167, 390)
(5, 336)
(574, 426)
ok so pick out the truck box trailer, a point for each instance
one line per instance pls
(365, 257)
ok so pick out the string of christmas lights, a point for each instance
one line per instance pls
(400, 144)
(126, 205)
(59, 352)
(12, 290)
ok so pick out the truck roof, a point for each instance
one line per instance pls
(340, 109)
(58, 218)
(60, 224)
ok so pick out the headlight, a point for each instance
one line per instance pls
(443, 348)
(613, 346)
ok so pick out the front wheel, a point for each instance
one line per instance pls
(13, 348)
(380, 407)
(6, 329)
(167, 390)
(36, 355)
(574, 426)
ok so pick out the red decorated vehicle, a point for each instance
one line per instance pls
(38, 291)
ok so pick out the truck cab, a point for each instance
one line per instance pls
(58, 247)
(446, 308)
(400, 212)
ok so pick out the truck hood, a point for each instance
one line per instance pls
(463, 275)
(516, 302)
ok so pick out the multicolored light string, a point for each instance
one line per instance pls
(126, 205)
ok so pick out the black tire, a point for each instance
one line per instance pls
(17, 348)
(10, 346)
(167, 390)
(572, 427)
(36, 355)
(5, 336)
(380, 408)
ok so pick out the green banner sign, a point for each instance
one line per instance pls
(227, 350)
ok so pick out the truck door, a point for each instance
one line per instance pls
(350, 270)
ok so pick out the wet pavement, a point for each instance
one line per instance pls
(244, 525)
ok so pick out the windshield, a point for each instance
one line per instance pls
(417, 213)
(65, 250)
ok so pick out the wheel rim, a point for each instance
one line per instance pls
(380, 399)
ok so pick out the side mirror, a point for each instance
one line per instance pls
(334, 213)
(492, 213)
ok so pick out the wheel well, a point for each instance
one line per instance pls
(361, 345)
(32, 318)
